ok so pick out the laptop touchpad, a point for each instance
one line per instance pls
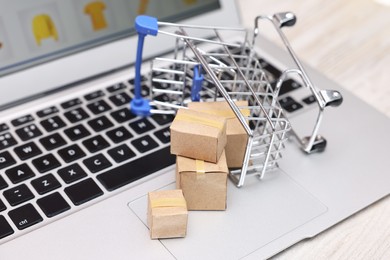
(256, 214)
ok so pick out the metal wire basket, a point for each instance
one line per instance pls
(211, 69)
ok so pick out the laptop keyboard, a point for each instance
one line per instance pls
(58, 158)
(64, 156)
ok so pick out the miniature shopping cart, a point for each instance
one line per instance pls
(212, 69)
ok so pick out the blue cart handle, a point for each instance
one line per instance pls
(144, 25)
(196, 83)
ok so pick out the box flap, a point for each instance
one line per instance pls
(206, 124)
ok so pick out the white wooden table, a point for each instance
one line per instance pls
(349, 41)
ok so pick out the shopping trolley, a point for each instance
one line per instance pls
(211, 69)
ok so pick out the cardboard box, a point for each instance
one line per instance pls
(237, 137)
(167, 214)
(204, 184)
(198, 135)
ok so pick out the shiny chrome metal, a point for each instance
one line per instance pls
(323, 98)
(233, 73)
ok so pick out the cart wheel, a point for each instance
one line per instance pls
(332, 98)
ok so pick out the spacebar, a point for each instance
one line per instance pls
(134, 170)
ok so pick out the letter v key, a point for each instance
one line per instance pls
(121, 153)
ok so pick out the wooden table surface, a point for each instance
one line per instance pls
(348, 41)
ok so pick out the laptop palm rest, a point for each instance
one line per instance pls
(250, 221)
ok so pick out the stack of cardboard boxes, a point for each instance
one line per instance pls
(207, 139)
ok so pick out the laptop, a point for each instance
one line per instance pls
(76, 165)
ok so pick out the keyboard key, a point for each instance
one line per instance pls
(6, 160)
(18, 194)
(3, 183)
(52, 141)
(95, 143)
(141, 126)
(5, 228)
(25, 216)
(22, 120)
(274, 73)
(76, 115)
(157, 74)
(47, 111)
(289, 104)
(6, 140)
(27, 151)
(99, 107)
(162, 119)
(45, 184)
(94, 95)
(162, 98)
(119, 134)
(53, 204)
(134, 170)
(165, 85)
(77, 132)
(97, 163)
(100, 123)
(71, 103)
(46, 163)
(2, 208)
(145, 90)
(309, 100)
(71, 153)
(3, 127)
(53, 123)
(288, 86)
(122, 115)
(28, 132)
(120, 99)
(144, 144)
(83, 191)
(116, 87)
(121, 153)
(19, 173)
(143, 78)
(72, 173)
(164, 135)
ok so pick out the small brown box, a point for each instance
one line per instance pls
(167, 214)
(198, 135)
(237, 137)
(204, 184)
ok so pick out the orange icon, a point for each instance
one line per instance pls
(43, 27)
(95, 11)
(143, 5)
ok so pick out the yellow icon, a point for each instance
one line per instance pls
(143, 5)
(95, 11)
(43, 27)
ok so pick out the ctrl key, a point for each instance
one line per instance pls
(25, 216)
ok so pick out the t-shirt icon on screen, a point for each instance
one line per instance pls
(43, 28)
(96, 12)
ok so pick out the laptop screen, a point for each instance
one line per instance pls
(50, 45)
(33, 32)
